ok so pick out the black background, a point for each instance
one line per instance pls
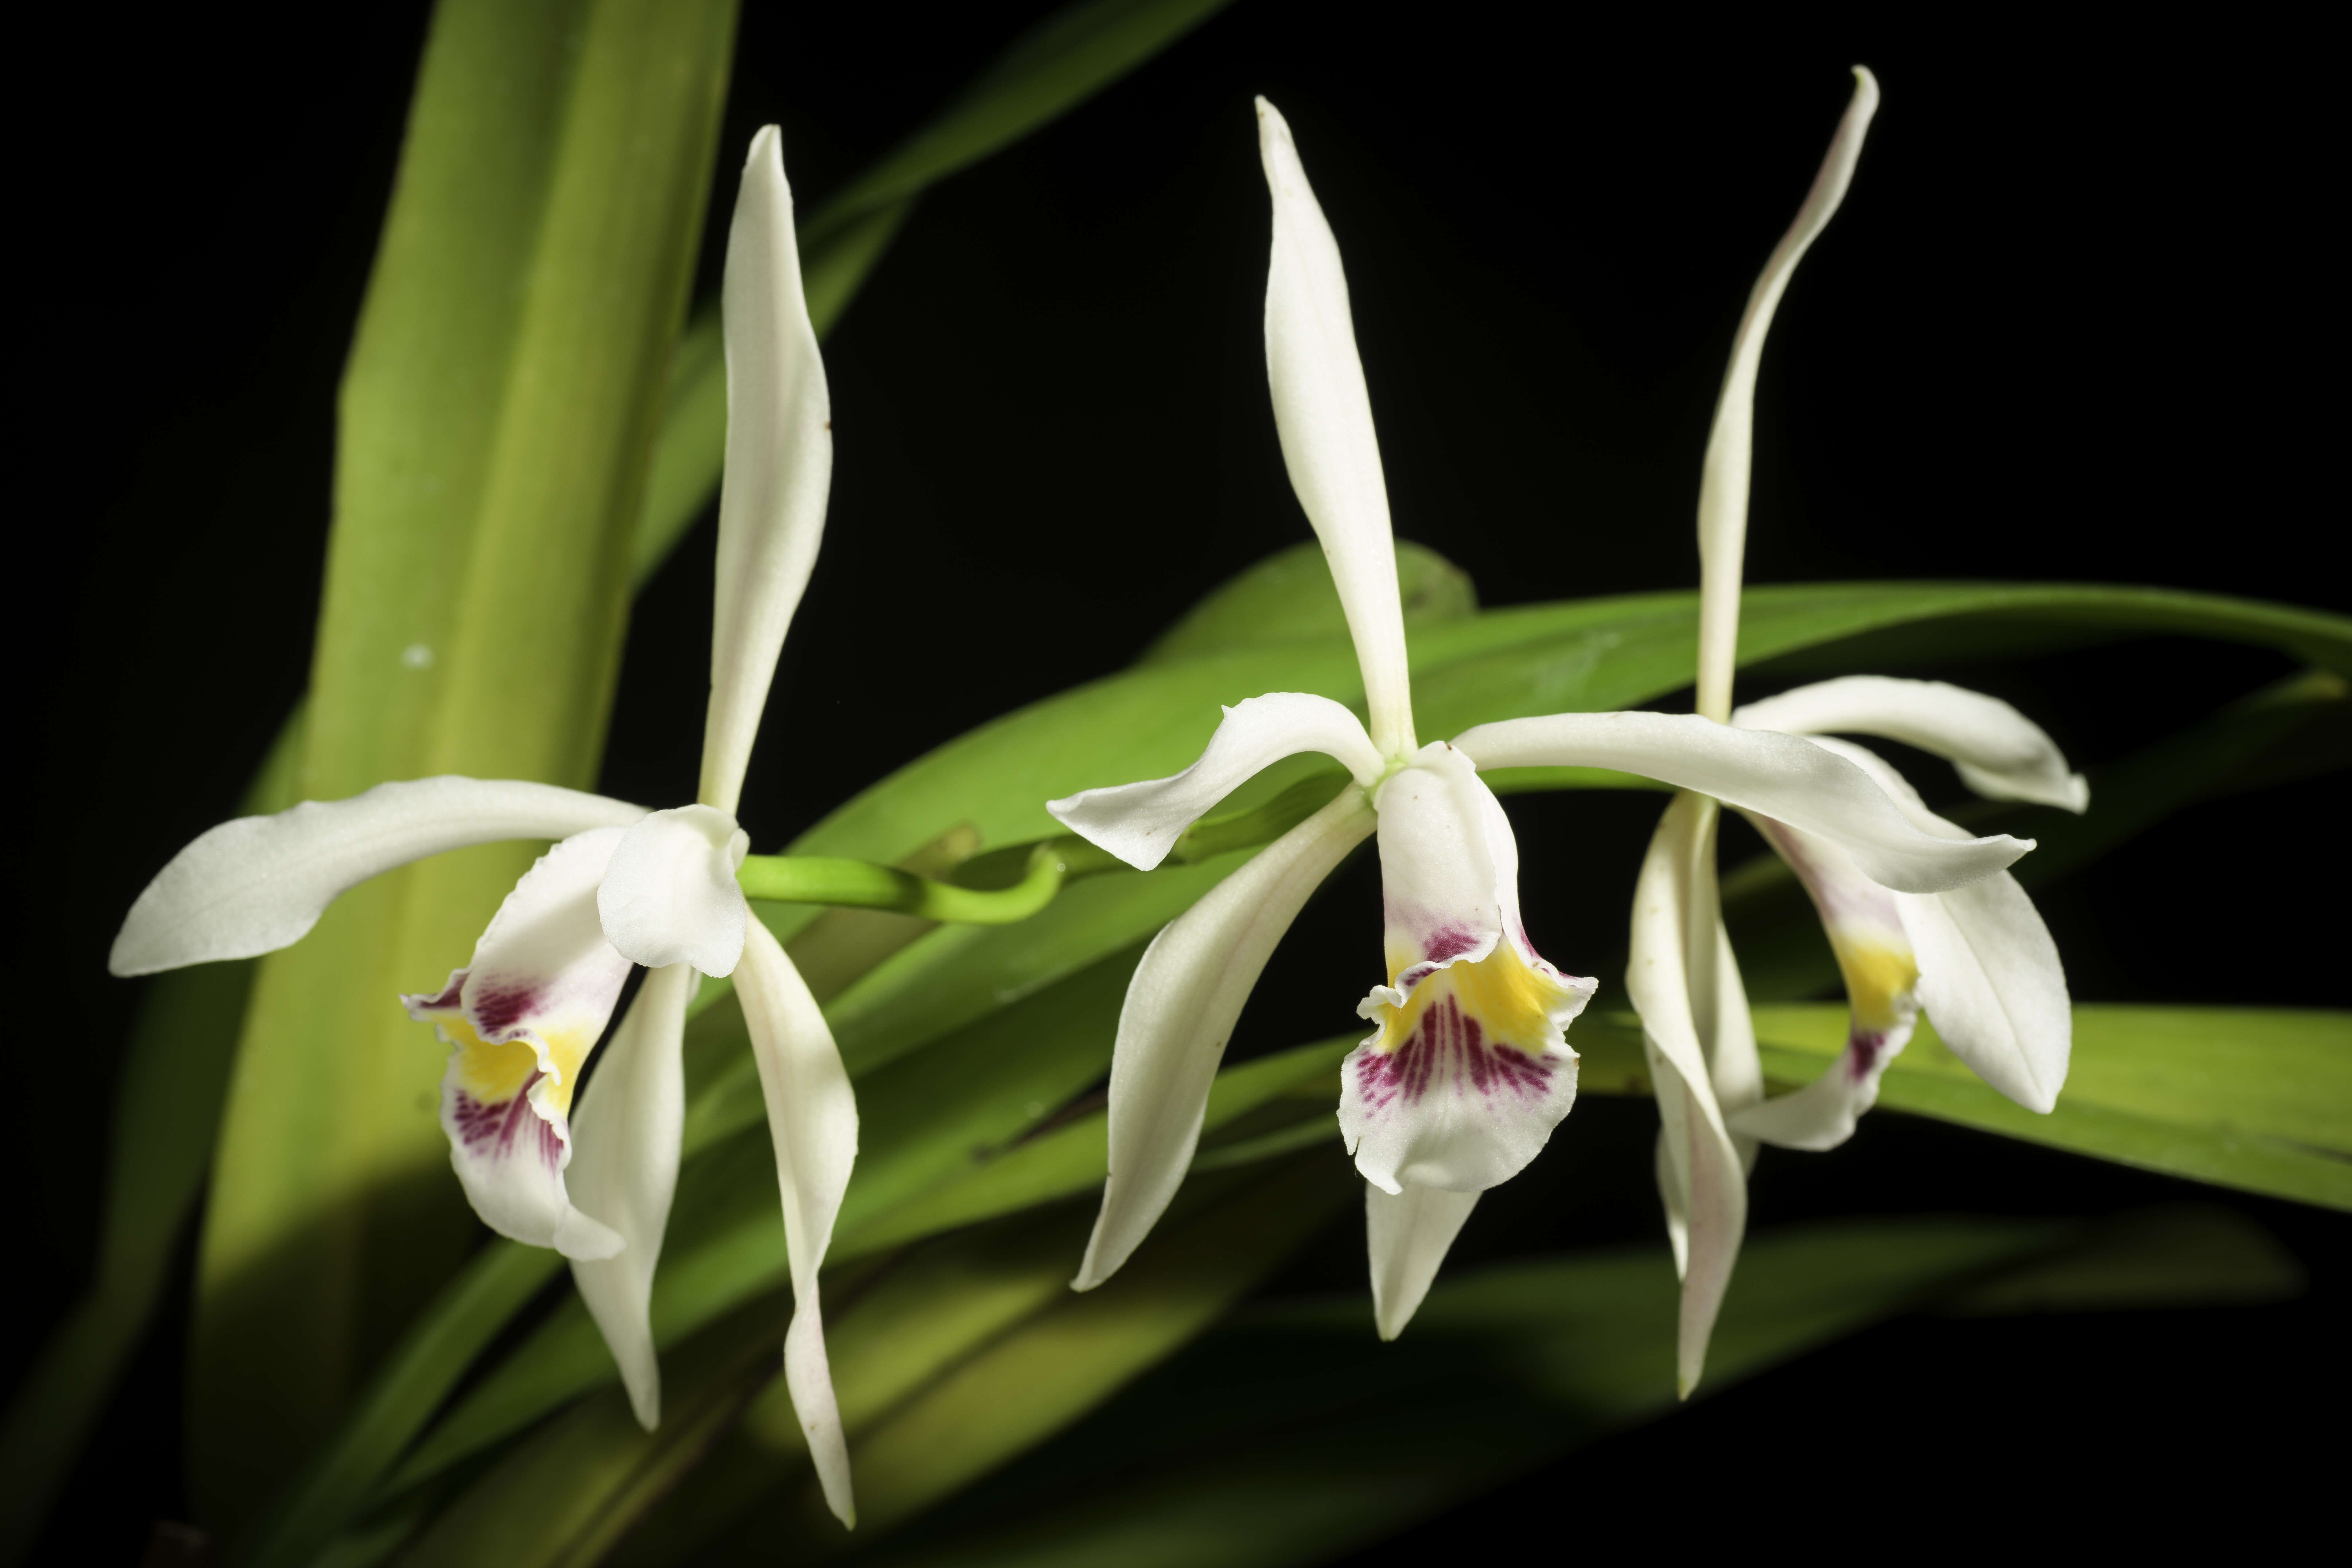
(2068, 326)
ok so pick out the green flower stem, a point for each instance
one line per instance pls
(1044, 866)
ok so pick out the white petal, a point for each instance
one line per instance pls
(624, 1169)
(1875, 955)
(1990, 982)
(1469, 1069)
(779, 465)
(2000, 754)
(1180, 1012)
(1702, 1174)
(1823, 1114)
(522, 1019)
(670, 896)
(1784, 777)
(1408, 1235)
(259, 883)
(1724, 472)
(1324, 417)
(813, 1118)
(1139, 822)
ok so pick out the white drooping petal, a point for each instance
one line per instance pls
(1324, 417)
(1140, 823)
(1468, 1068)
(1701, 1176)
(779, 471)
(2000, 754)
(1724, 472)
(1180, 1011)
(522, 1019)
(1990, 982)
(1823, 1113)
(624, 1170)
(260, 883)
(1408, 1235)
(670, 895)
(813, 1118)
(1789, 779)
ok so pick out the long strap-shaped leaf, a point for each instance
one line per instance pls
(497, 416)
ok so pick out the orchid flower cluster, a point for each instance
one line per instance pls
(622, 887)
(1468, 1069)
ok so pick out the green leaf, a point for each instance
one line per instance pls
(1291, 1435)
(1289, 597)
(497, 416)
(2254, 1098)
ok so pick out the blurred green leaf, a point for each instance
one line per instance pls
(2172, 1255)
(2254, 1098)
(1288, 597)
(497, 416)
(1290, 1436)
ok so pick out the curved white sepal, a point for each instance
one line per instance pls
(260, 883)
(813, 1119)
(1991, 983)
(1702, 1176)
(1324, 417)
(1180, 1011)
(779, 472)
(1408, 1235)
(670, 895)
(523, 1017)
(1785, 777)
(1140, 823)
(1468, 1069)
(1725, 470)
(624, 1170)
(2000, 754)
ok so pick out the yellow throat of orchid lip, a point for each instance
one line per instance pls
(1878, 975)
(1511, 1001)
(495, 1072)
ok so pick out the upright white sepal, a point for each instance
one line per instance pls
(624, 1170)
(813, 1119)
(1724, 471)
(1408, 1235)
(1180, 1011)
(260, 883)
(1140, 823)
(1324, 417)
(779, 471)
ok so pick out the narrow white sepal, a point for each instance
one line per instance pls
(624, 1172)
(779, 472)
(1724, 471)
(1408, 1235)
(1140, 823)
(2000, 754)
(1180, 1011)
(1785, 777)
(1324, 417)
(1702, 1174)
(670, 895)
(260, 883)
(813, 1119)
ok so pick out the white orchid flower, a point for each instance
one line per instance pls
(1468, 1068)
(622, 886)
(1978, 958)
